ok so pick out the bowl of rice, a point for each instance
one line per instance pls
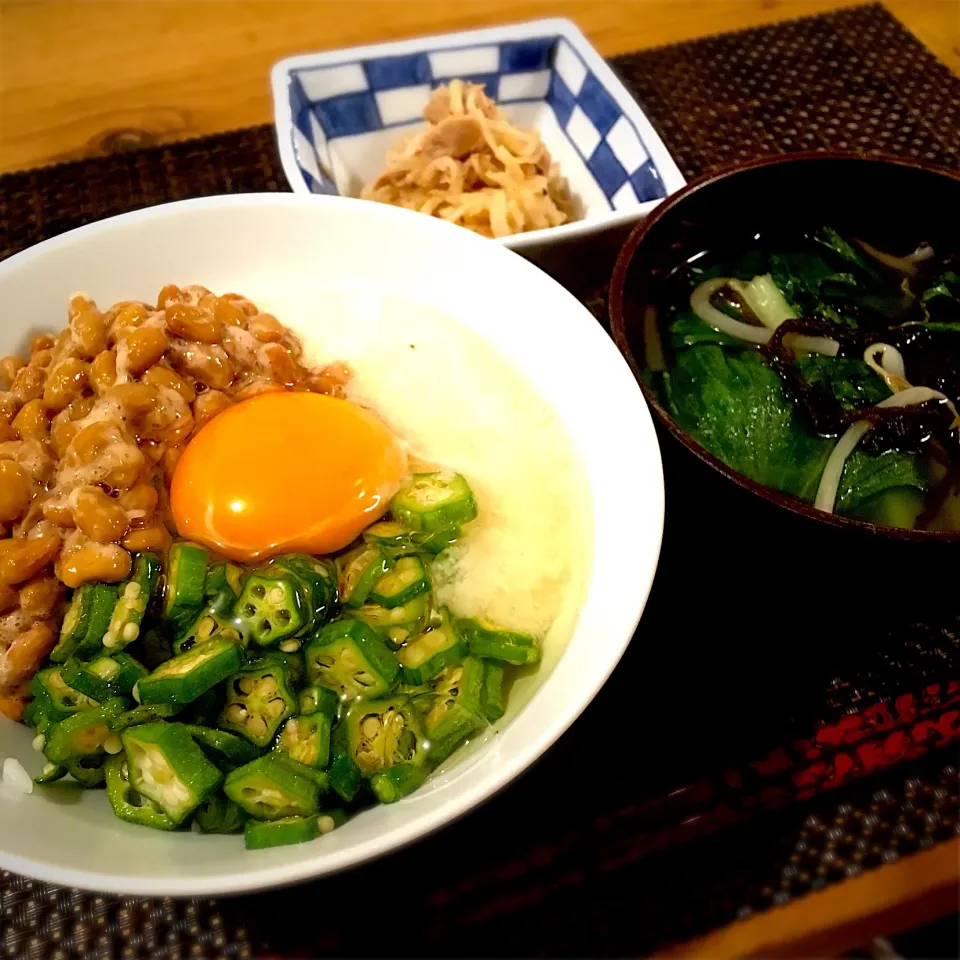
(520, 133)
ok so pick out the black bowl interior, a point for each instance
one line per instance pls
(895, 205)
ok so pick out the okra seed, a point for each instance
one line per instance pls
(268, 685)
(109, 639)
(275, 707)
(112, 744)
(131, 591)
(48, 768)
(136, 691)
(370, 726)
(276, 595)
(236, 713)
(130, 632)
(289, 646)
(326, 824)
(38, 741)
(245, 685)
(257, 726)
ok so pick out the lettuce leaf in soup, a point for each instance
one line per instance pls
(736, 407)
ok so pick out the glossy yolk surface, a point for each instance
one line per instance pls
(285, 472)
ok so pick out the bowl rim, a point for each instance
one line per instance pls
(618, 325)
(657, 149)
(468, 795)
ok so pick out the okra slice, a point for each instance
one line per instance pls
(487, 640)
(319, 581)
(396, 540)
(226, 750)
(133, 598)
(167, 766)
(35, 717)
(383, 733)
(221, 587)
(430, 502)
(394, 783)
(406, 579)
(139, 715)
(271, 607)
(306, 740)
(316, 699)
(55, 697)
(345, 777)
(219, 814)
(259, 699)
(397, 625)
(51, 773)
(89, 771)
(453, 704)
(205, 627)
(183, 591)
(259, 835)
(360, 569)
(348, 657)
(271, 789)
(186, 676)
(107, 676)
(82, 734)
(85, 622)
(127, 803)
(432, 651)
(494, 701)
(292, 663)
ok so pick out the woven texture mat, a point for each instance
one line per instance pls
(687, 795)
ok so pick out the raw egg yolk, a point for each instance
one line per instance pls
(285, 472)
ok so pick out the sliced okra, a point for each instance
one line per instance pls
(398, 625)
(226, 750)
(221, 587)
(396, 540)
(207, 626)
(107, 676)
(348, 657)
(453, 705)
(360, 569)
(406, 579)
(306, 740)
(430, 502)
(219, 814)
(183, 591)
(127, 803)
(166, 765)
(141, 714)
(319, 581)
(258, 700)
(271, 789)
(258, 835)
(56, 698)
(82, 734)
(50, 773)
(133, 598)
(85, 622)
(394, 783)
(383, 733)
(271, 607)
(345, 777)
(316, 699)
(432, 651)
(491, 642)
(88, 771)
(186, 676)
(494, 701)
(292, 663)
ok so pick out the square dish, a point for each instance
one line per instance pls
(337, 113)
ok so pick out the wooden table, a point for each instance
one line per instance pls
(83, 77)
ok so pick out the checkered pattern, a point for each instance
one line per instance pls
(366, 96)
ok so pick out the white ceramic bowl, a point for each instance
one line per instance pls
(338, 112)
(265, 246)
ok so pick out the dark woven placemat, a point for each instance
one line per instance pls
(688, 794)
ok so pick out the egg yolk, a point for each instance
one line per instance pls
(285, 472)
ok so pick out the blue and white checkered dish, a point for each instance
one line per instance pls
(338, 113)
